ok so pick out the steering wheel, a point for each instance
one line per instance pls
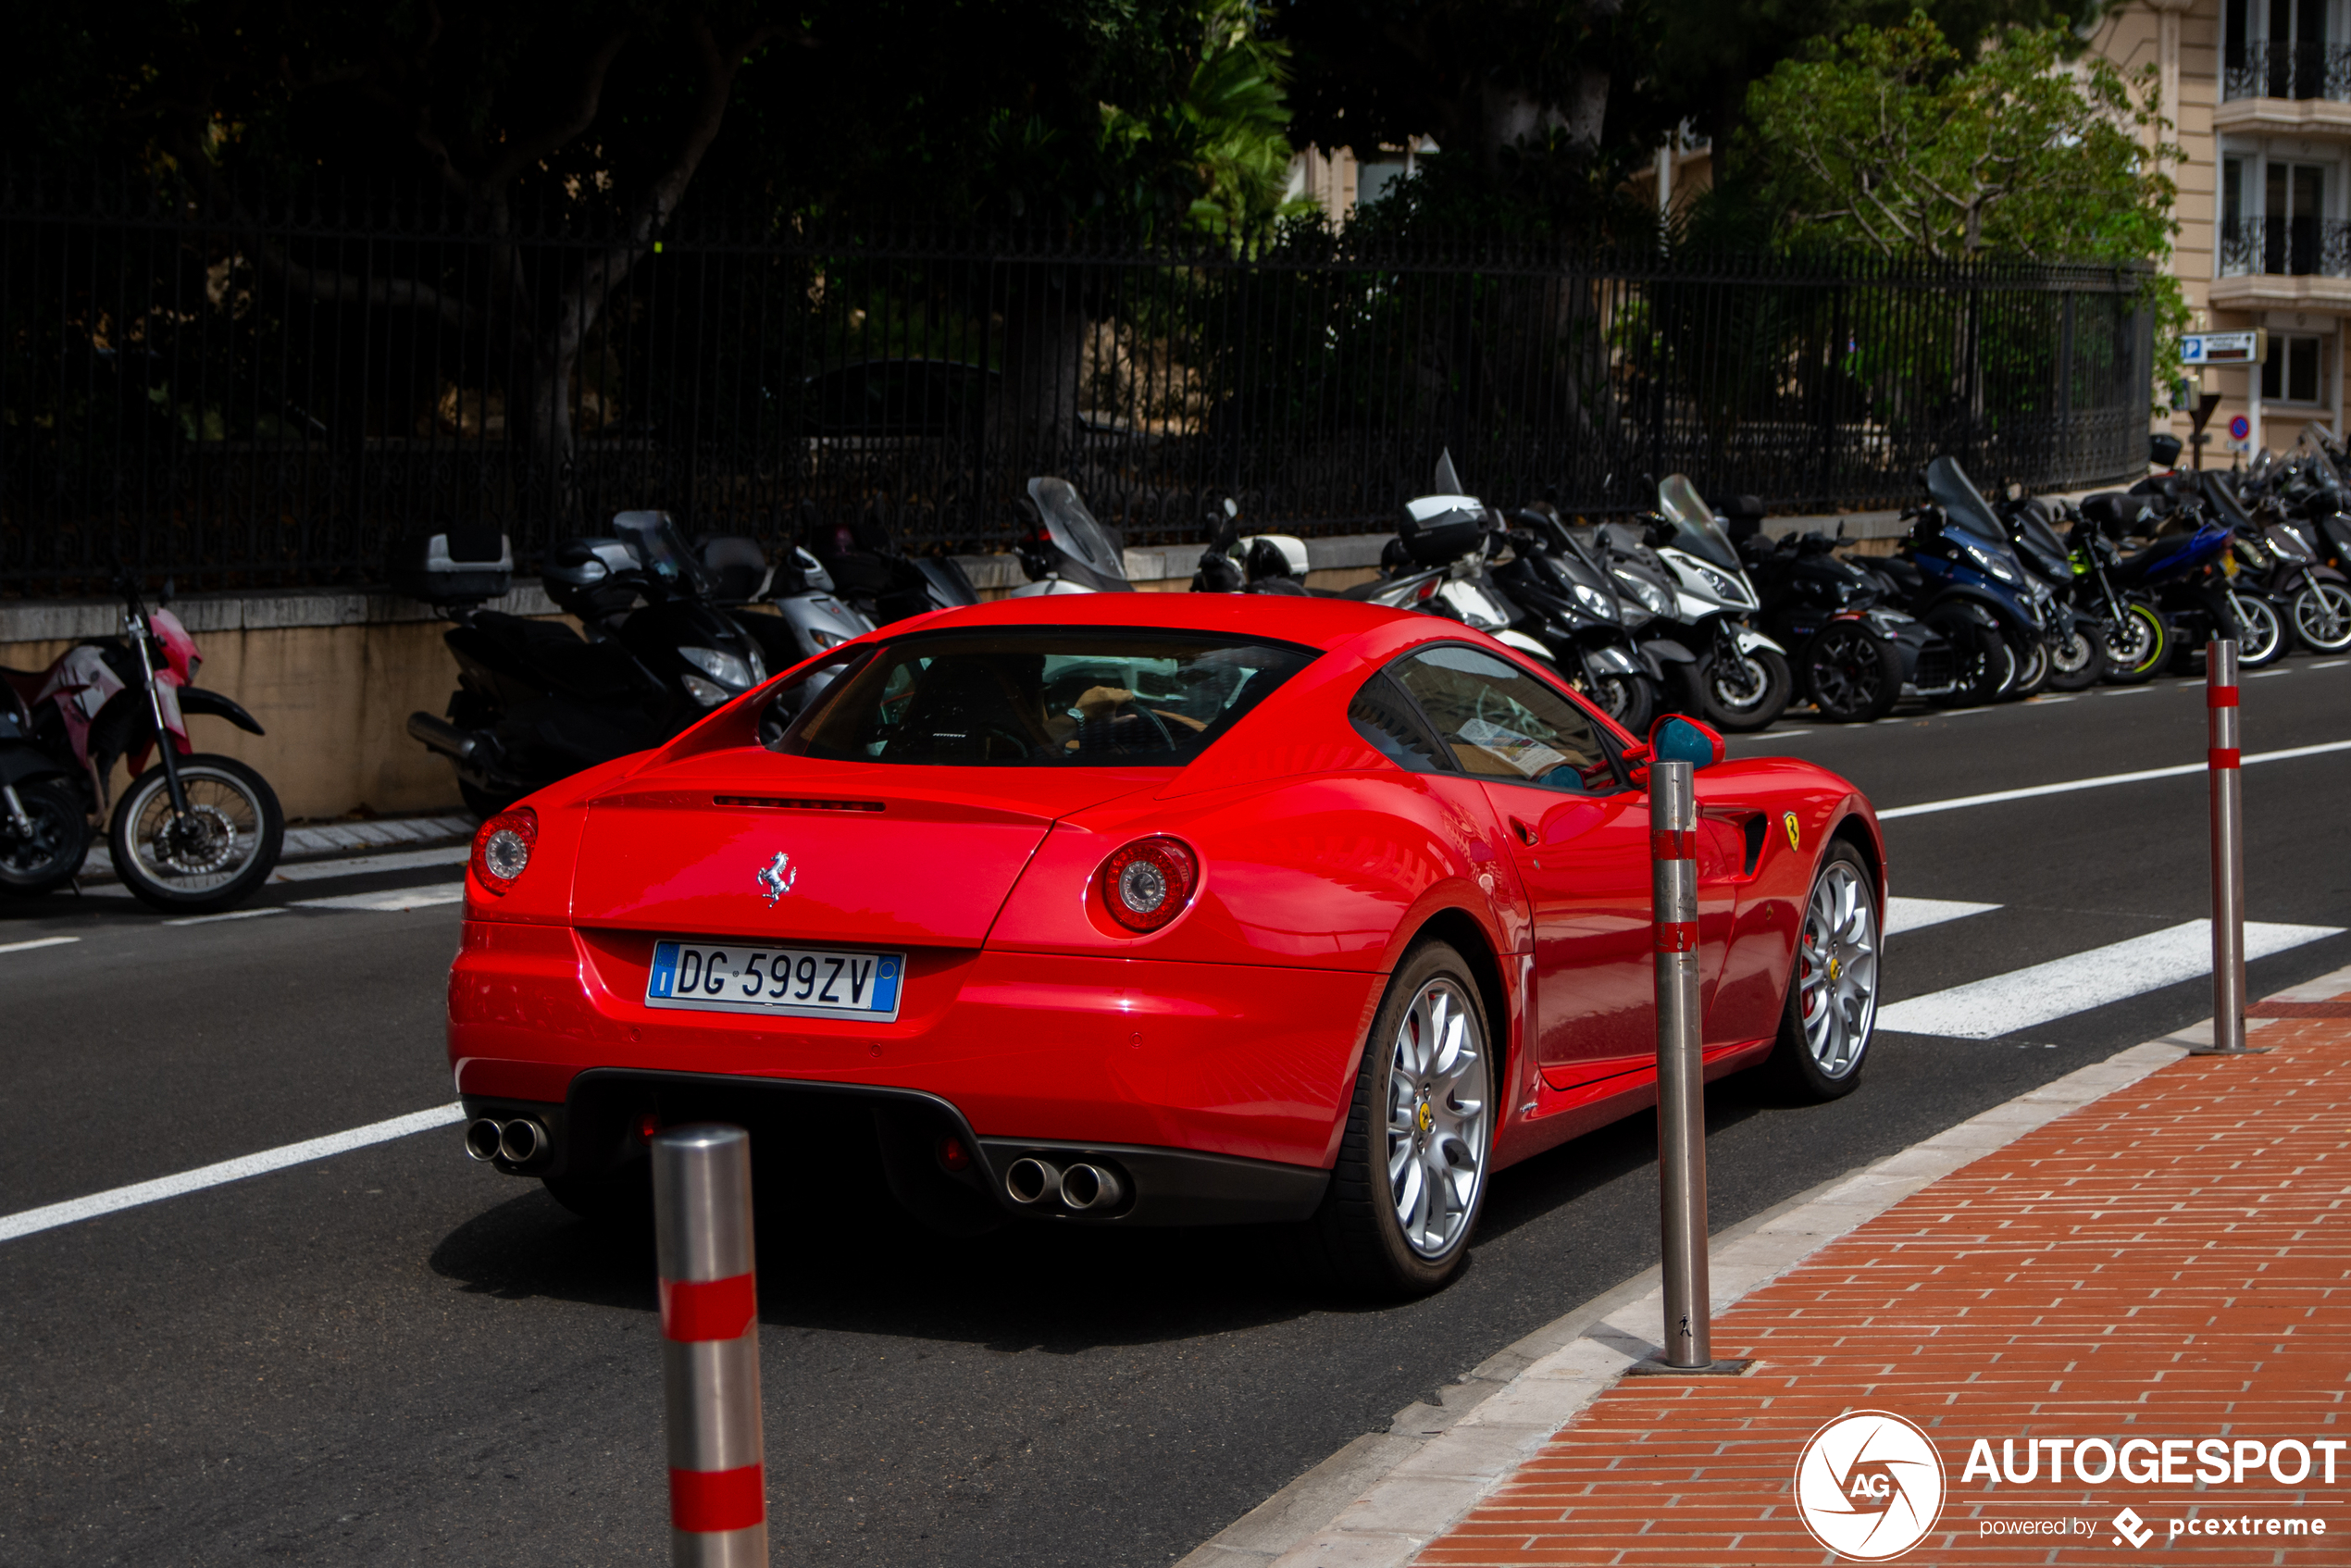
(1166, 738)
(989, 733)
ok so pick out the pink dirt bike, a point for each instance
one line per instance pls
(192, 834)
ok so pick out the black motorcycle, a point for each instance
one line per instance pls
(536, 702)
(1852, 652)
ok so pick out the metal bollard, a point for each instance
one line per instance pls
(710, 1350)
(2227, 852)
(1681, 1076)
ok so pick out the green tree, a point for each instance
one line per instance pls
(1890, 143)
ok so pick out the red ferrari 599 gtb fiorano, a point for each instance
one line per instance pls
(1140, 910)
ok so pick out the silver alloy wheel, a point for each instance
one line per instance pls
(2073, 656)
(1437, 1125)
(2258, 629)
(2323, 616)
(1742, 688)
(1836, 970)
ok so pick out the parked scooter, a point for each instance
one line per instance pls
(1737, 677)
(880, 581)
(1958, 574)
(2074, 632)
(1853, 654)
(808, 619)
(536, 702)
(195, 833)
(1587, 614)
(1066, 551)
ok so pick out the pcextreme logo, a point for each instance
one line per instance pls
(1868, 1485)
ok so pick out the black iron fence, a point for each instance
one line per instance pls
(259, 392)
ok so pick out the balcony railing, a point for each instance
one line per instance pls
(2289, 70)
(2285, 246)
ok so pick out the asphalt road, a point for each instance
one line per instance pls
(395, 1356)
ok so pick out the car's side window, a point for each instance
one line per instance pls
(1501, 723)
(1385, 717)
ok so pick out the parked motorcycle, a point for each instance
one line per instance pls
(1065, 550)
(535, 701)
(1853, 652)
(1587, 614)
(879, 580)
(2074, 634)
(808, 617)
(1737, 678)
(2303, 552)
(196, 832)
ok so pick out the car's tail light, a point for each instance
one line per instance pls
(503, 848)
(1148, 883)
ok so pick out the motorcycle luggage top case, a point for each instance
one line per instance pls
(1438, 528)
(460, 567)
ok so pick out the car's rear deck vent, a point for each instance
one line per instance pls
(779, 802)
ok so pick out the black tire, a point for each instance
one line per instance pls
(2029, 664)
(1630, 700)
(2262, 637)
(1978, 650)
(2138, 647)
(1738, 706)
(1794, 1065)
(2320, 614)
(201, 873)
(2076, 662)
(1852, 674)
(47, 858)
(1357, 1237)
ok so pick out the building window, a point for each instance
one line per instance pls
(2291, 373)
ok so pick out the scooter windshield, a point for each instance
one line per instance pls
(1073, 530)
(657, 543)
(1951, 488)
(1691, 525)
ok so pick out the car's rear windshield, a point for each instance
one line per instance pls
(1044, 698)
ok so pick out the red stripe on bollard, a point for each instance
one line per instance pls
(694, 1310)
(1677, 936)
(708, 1500)
(2220, 696)
(1673, 843)
(2222, 757)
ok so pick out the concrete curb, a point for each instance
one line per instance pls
(1381, 1498)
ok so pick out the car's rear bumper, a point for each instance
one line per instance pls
(602, 1123)
(1243, 1063)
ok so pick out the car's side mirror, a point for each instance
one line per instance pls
(1675, 738)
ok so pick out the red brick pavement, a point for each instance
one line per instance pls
(2169, 1261)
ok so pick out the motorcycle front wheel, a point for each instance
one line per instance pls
(2076, 662)
(2323, 616)
(47, 856)
(216, 853)
(2260, 630)
(2028, 667)
(2136, 646)
(1630, 700)
(1744, 695)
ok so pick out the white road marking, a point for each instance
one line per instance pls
(2024, 998)
(1911, 914)
(393, 903)
(2071, 785)
(55, 1214)
(37, 941)
(2131, 691)
(360, 865)
(232, 914)
(2264, 674)
(2328, 663)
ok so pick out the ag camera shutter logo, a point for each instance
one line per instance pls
(1868, 1485)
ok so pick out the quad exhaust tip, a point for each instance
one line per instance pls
(517, 1142)
(1081, 1188)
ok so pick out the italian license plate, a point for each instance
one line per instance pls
(793, 982)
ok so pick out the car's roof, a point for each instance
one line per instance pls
(1321, 623)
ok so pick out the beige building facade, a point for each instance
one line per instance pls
(2260, 94)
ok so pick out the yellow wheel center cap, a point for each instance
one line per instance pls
(1422, 1117)
(1833, 967)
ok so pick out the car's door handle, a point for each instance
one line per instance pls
(1526, 834)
